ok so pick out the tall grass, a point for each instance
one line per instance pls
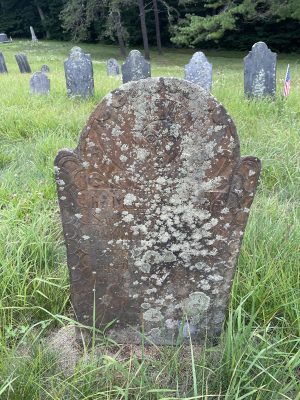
(258, 355)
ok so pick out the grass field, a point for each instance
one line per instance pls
(258, 356)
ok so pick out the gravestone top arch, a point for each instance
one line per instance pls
(199, 71)
(154, 202)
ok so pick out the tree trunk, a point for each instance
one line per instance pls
(117, 20)
(157, 27)
(144, 29)
(43, 19)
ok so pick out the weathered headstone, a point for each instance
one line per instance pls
(3, 38)
(79, 74)
(112, 67)
(199, 71)
(33, 35)
(3, 68)
(45, 68)
(135, 67)
(39, 83)
(260, 71)
(154, 203)
(23, 63)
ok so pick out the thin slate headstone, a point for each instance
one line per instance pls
(154, 202)
(3, 68)
(260, 71)
(23, 63)
(135, 67)
(199, 71)
(79, 74)
(112, 67)
(45, 68)
(39, 83)
(3, 38)
(33, 35)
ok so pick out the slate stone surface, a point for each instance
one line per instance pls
(135, 67)
(112, 67)
(39, 83)
(3, 38)
(23, 63)
(33, 35)
(45, 68)
(154, 202)
(3, 68)
(79, 74)
(199, 71)
(260, 71)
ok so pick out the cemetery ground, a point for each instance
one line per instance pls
(258, 355)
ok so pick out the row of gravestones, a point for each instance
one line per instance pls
(259, 71)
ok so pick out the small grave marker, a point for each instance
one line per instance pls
(45, 68)
(135, 67)
(3, 68)
(33, 35)
(79, 74)
(23, 63)
(112, 67)
(154, 202)
(260, 71)
(199, 71)
(3, 38)
(39, 83)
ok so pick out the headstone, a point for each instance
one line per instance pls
(135, 67)
(45, 68)
(154, 202)
(39, 83)
(23, 63)
(79, 74)
(3, 68)
(33, 36)
(260, 71)
(199, 71)
(112, 67)
(3, 38)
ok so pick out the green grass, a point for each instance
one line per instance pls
(258, 356)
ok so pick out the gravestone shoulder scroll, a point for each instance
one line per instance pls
(79, 74)
(135, 67)
(199, 71)
(112, 67)
(260, 71)
(154, 202)
(39, 83)
(23, 63)
(3, 68)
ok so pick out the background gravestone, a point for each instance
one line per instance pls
(112, 67)
(154, 203)
(45, 68)
(199, 71)
(3, 38)
(23, 63)
(39, 83)
(79, 74)
(135, 67)
(260, 71)
(3, 68)
(33, 35)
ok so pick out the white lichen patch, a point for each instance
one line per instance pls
(129, 199)
(153, 315)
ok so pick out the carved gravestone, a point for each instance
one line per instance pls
(3, 68)
(23, 63)
(135, 67)
(45, 68)
(154, 202)
(199, 71)
(33, 35)
(112, 67)
(260, 71)
(39, 83)
(3, 38)
(79, 74)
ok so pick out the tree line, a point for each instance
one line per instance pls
(234, 24)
